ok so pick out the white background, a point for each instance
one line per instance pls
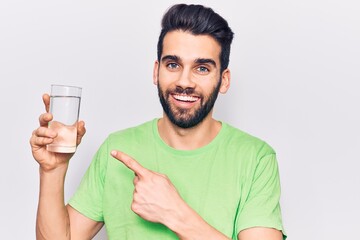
(295, 83)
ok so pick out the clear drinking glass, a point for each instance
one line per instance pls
(65, 108)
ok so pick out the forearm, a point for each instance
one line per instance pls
(52, 217)
(190, 226)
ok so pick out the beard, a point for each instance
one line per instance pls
(184, 118)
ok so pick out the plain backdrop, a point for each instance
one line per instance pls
(295, 84)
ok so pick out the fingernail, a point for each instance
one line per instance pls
(113, 153)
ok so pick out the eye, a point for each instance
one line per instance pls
(172, 65)
(202, 69)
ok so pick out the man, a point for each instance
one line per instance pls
(183, 176)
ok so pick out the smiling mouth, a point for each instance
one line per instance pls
(185, 98)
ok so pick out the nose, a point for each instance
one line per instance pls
(185, 79)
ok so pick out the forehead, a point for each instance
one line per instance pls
(190, 47)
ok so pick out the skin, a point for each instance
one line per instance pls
(155, 198)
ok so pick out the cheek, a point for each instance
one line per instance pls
(167, 80)
(209, 87)
(164, 77)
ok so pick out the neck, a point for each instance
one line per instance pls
(188, 138)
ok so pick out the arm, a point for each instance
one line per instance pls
(188, 225)
(157, 200)
(82, 227)
(56, 219)
(53, 217)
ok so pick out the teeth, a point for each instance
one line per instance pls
(186, 98)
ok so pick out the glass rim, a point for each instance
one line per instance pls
(63, 85)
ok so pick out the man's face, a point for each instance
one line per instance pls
(188, 77)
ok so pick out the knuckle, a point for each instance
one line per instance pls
(164, 176)
(42, 117)
(136, 180)
(31, 140)
(134, 207)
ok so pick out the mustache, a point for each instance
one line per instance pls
(184, 91)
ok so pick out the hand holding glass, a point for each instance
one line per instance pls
(65, 108)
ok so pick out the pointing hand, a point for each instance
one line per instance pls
(155, 198)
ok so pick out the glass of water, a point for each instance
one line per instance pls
(65, 108)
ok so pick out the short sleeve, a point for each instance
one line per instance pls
(89, 196)
(261, 207)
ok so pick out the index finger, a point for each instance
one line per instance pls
(44, 119)
(129, 162)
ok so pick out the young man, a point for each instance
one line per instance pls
(183, 176)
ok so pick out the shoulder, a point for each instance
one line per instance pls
(131, 137)
(141, 130)
(245, 142)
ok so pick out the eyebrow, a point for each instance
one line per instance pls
(170, 57)
(198, 60)
(206, 61)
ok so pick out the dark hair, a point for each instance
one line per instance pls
(198, 20)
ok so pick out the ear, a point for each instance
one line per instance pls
(156, 72)
(225, 83)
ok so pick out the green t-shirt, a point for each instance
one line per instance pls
(232, 183)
